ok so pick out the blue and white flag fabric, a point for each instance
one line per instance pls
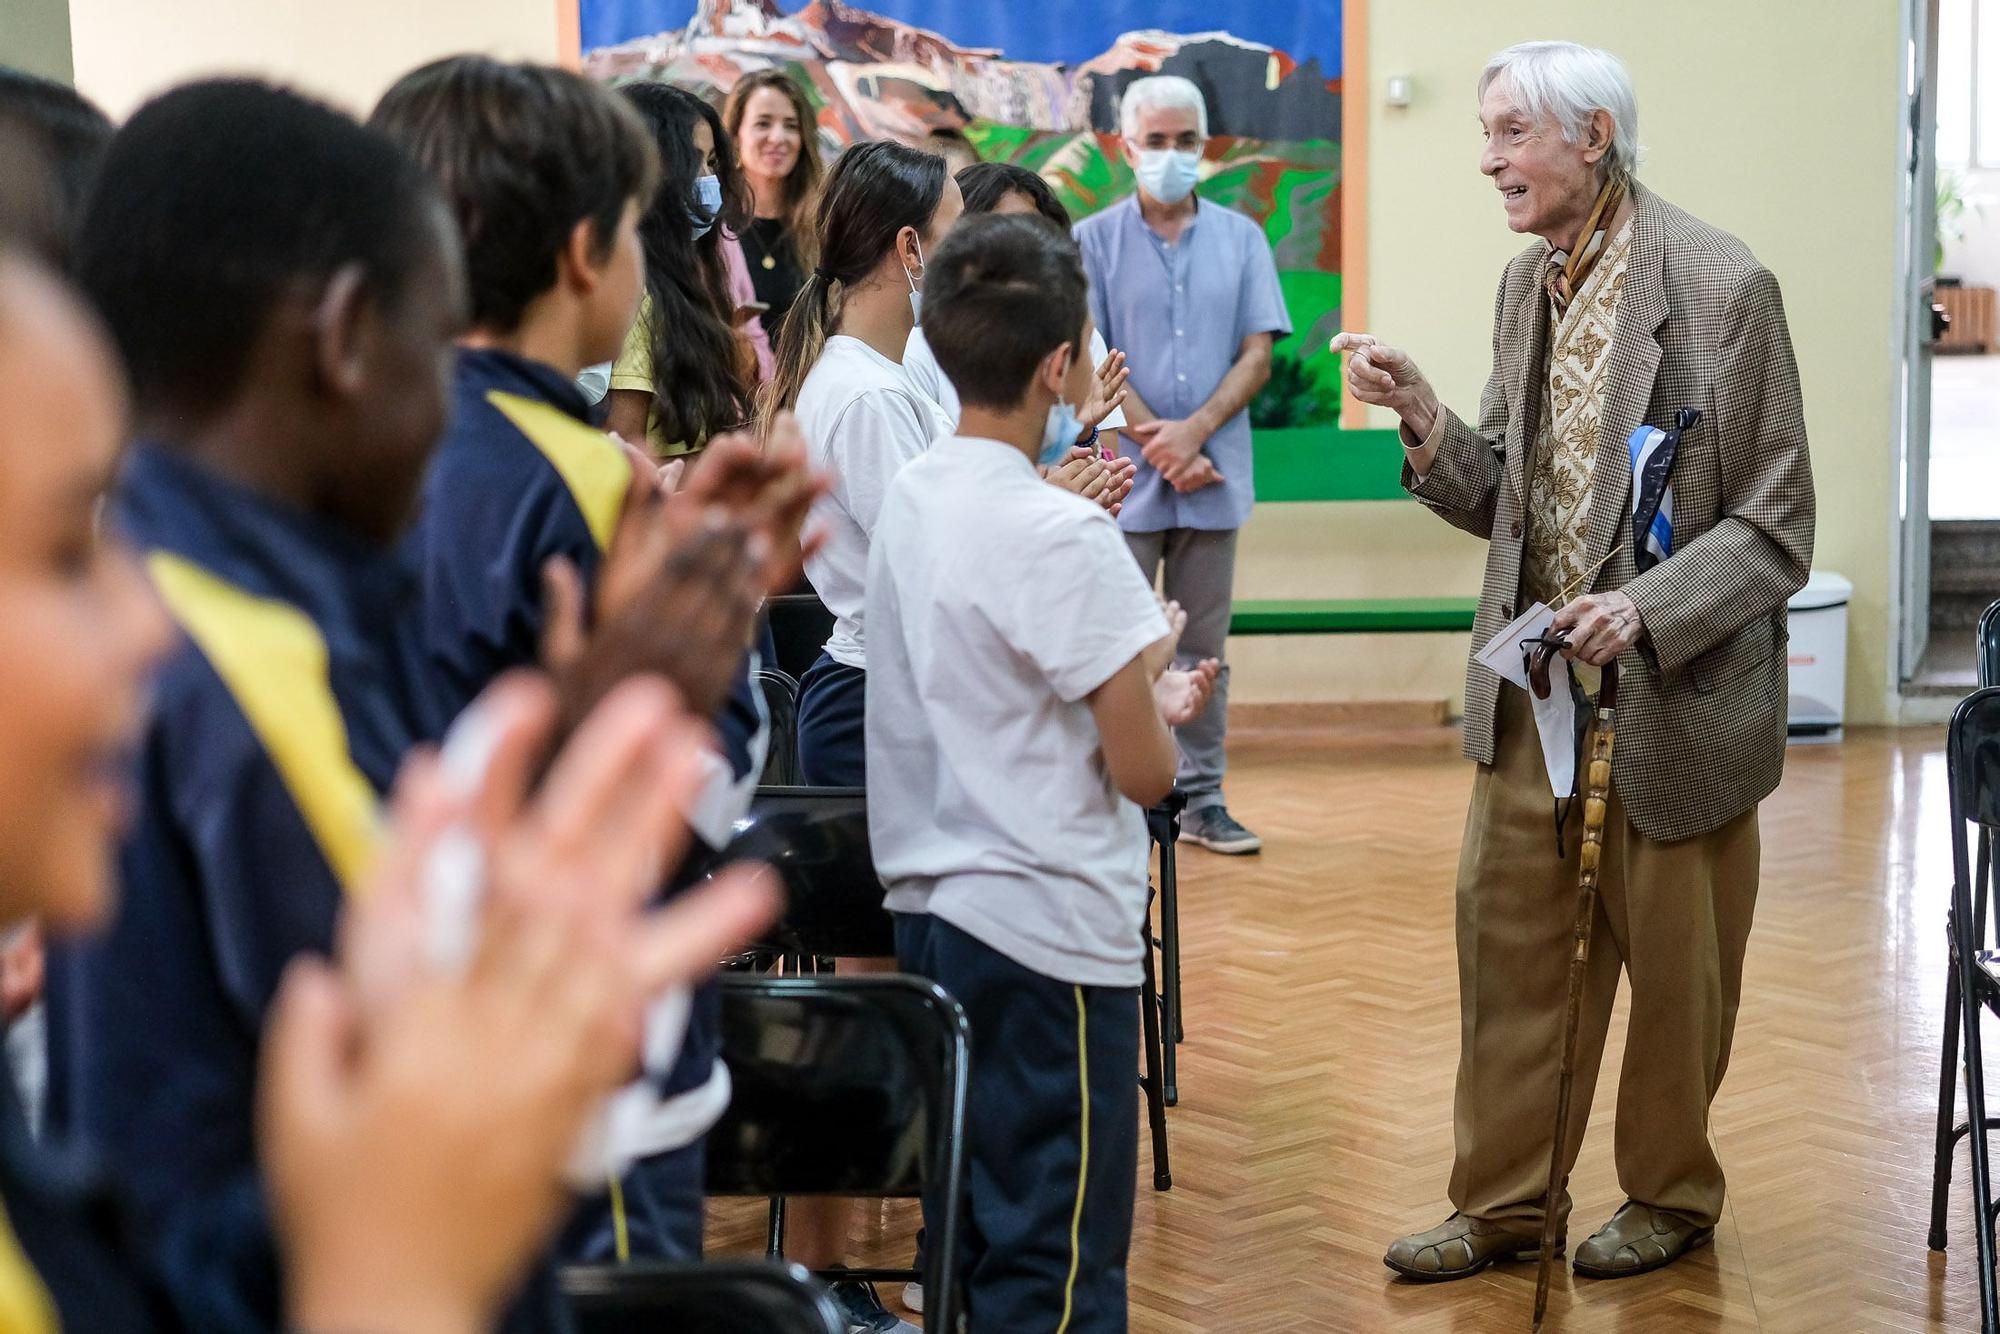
(1653, 453)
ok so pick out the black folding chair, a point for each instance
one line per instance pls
(1988, 646)
(1163, 823)
(781, 703)
(1972, 765)
(816, 839)
(848, 1086)
(1987, 655)
(800, 626)
(708, 1298)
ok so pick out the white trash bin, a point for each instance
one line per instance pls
(1818, 658)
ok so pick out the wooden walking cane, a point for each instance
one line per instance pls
(1596, 804)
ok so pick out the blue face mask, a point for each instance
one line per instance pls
(707, 204)
(1059, 434)
(1168, 174)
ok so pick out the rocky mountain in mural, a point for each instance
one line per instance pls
(1253, 90)
(1275, 123)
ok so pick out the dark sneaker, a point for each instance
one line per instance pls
(863, 1310)
(1214, 828)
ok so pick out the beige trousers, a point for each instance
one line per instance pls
(1674, 917)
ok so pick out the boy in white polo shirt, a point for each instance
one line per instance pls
(1018, 708)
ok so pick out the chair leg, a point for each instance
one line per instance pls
(774, 1241)
(1947, 1110)
(1982, 871)
(1156, 1109)
(1982, 1178)
(1170, 957)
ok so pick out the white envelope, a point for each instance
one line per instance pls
(1555, 717)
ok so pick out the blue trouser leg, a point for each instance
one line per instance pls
(1052, 1136)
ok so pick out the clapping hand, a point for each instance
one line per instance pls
(1107, 390)
(1104, 481)
(1182, 694)
(768, 486)
(416, 1108)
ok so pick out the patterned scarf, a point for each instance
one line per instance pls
(1567, 273)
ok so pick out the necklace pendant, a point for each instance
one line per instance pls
(770, 262)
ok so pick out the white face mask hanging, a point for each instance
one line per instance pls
(916, 293)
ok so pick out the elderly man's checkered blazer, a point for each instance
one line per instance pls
(1701, 718)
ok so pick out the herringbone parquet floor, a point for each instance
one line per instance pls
(1315, 1116)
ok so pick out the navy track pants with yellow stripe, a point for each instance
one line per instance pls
(1052, 1137)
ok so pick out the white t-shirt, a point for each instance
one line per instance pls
(996, 604)
(863, 421)
(927, 375)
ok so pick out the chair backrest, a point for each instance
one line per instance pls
(781, 703)
(1988, 644)
(800, 626)
(848, 1086)
(816, 839)
(843, 1086)
(1972, 770)
(709, 1298)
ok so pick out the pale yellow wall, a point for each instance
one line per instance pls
(34, 36)
(1777, 120)
(345, 50)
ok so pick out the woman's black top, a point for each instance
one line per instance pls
(774, 269)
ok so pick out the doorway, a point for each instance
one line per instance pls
(1951, 510)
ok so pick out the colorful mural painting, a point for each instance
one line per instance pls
(1037, 82)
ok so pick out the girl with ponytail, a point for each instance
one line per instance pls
(840, 355)
(840, 352)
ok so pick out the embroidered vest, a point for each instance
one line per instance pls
(1564, 458)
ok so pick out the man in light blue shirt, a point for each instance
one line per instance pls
(1188, 290)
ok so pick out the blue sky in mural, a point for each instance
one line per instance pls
(1041, 30)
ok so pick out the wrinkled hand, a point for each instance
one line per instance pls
(1107, 390)
(1183, 694)
(415, 1115)
(1599, 626)
(1384, 377)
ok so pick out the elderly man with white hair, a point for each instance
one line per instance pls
(1188, 291)
(1628, 326)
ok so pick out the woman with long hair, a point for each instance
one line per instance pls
(840, 357)
(776, 135)
(685, 375)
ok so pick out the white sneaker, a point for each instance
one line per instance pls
(913, 1297)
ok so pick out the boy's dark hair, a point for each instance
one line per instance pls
(214, 202)
(1003, 292)
(63, 135)
(985, 184)
(524, 153)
